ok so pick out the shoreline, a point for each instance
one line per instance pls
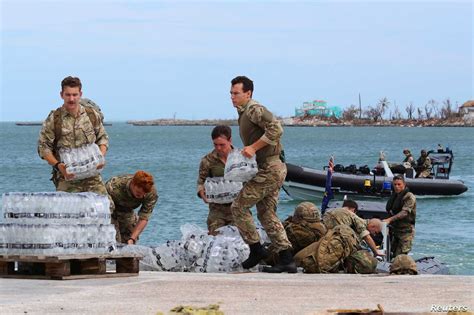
(290, 122)
(284, 122)
(324, 124)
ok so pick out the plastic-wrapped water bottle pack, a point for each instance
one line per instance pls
(55, 207)
(82, 161)
(238, 168)
(196, 251)
(220, 190)
(55, 223)
(55, 239)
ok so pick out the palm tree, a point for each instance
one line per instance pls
(382, 106)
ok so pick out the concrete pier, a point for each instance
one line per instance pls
(243, 293)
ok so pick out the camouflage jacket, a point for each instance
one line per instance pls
(257, 122)
(118, 188)
(211, 166)
(424, 163)
(343, 216)
(75, 132)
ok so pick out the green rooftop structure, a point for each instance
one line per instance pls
(318, 108)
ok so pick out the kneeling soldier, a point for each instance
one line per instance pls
(129, 192)
(305, 226)
(347, 216)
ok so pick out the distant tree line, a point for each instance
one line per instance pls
(431, 110)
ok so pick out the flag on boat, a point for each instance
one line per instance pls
(328, 194)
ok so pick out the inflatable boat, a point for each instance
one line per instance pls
(306, 183)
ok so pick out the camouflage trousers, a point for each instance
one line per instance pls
(402, 241)
(263, 191)
(219, 216)
(125, 221)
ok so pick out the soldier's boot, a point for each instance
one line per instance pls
(286, 264)
(257, 253)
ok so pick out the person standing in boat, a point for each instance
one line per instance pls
(409, 161)
(128, 192)
(402, 209)
(212, 165)
(260, 132)
(423, 165)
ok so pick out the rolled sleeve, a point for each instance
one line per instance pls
(363, 234)
(409, 204)
(360, 226)
(101, 136)
(46, 137)
(148, 205)
(203, 173)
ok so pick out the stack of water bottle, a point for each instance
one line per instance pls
(55, 223)
(82, 161)
(197, 251)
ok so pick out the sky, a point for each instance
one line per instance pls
(162, 59)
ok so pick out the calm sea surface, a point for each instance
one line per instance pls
(444, 228)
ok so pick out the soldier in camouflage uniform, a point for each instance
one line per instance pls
(305, 226)
(346, 216)
(72, 126)
(402, 209)
(423, 165)
(260, 132)
(212, 165)
(129, 192)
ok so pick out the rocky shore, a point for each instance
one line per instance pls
(313, 122)
(183, 122)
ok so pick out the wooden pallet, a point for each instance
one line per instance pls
(68, 267)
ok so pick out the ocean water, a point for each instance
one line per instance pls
(444, 228)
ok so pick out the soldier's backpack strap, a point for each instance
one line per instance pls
(92, 117)
(58, 124)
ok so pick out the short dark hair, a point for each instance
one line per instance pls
(221, 130)
(246, 83)
(71, 82)
(350, 204)
(398, 177)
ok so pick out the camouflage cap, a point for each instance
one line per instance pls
(361, 262)
(307, 211)
(403, 265)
